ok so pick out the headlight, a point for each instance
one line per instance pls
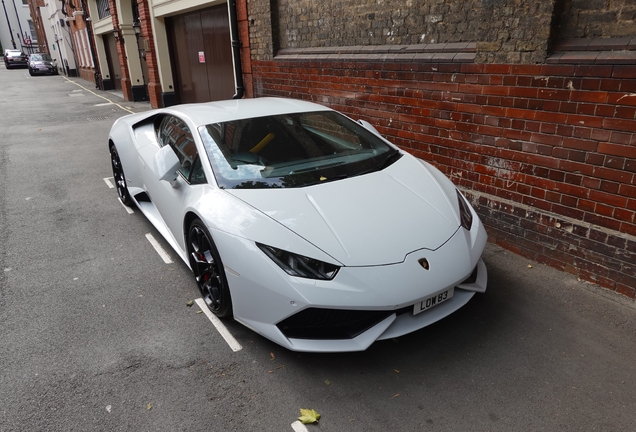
(464, 212)
(298, 265)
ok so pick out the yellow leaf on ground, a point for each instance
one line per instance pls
(308, 416)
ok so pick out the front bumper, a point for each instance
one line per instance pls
(12, 63)
(383, 297)
(44, 70)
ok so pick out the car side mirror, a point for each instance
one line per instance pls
(166, 164)
(368, 126)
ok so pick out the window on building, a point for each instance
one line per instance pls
(34, 35)
(103, 9)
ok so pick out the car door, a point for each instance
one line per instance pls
(168, 197)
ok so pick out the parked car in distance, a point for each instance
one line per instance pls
(15, 58)
(42, 64)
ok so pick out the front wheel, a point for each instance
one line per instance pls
(120, 178)
(208, 270)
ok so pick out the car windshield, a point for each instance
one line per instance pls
(292, 150)
(40, 57)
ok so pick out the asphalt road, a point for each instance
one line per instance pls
(96, 334)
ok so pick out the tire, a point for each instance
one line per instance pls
(120, 178)
(30, 72)
(208, 270)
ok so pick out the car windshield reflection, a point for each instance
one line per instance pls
(40, 57)
(292, 150)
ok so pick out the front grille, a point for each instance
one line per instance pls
(314, 323)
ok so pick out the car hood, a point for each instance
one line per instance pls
(372, 219)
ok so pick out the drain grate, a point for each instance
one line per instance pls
(92, 119)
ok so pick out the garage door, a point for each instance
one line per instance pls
(201, 55)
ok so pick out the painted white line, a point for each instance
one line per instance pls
(109, 183)
(233, 343)
(162, 253)
(299, 427)
(99, 96)
(128, 209)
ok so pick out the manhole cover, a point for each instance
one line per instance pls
(92, 119)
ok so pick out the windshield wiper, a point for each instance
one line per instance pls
(385, 162)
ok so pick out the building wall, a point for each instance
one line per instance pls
(17, 17)
(542, 142)
(512, 31)
(597, 18)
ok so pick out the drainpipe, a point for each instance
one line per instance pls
(9, 24)
(236, 50)
(21, 38)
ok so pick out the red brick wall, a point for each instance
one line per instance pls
(547, 153)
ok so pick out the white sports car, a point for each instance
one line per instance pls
(306, 226)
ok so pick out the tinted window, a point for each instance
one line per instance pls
(174, 132)
(292, 150)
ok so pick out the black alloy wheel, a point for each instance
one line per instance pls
(120, 178)
(208, 270)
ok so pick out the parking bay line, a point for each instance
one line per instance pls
(112, 186)
(297, 426)
(128, 209)
(109, 183)
(162, 253)
(225, 333)
(231, 341)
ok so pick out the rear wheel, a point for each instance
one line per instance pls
(208, 270)
(120, 178)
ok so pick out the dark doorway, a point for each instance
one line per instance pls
(201, 55)
(112, 58)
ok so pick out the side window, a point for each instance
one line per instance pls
(174, 132)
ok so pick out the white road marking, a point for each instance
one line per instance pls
(299, 427)
(233, 343)
(225, 333)
(99, 96)
(128, 209)
(109, 183)
(162, 253)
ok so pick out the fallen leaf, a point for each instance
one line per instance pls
(276, 368)
(529, 266)
(327, 382)
(149, 406)
(308, 416)
(396, 371)
(190, 303)
(395, 395)
(272, 356)
(199, 311)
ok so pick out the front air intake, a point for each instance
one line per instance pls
(314, 323)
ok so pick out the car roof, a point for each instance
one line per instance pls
(236, 109)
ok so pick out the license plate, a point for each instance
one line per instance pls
(433, 300)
